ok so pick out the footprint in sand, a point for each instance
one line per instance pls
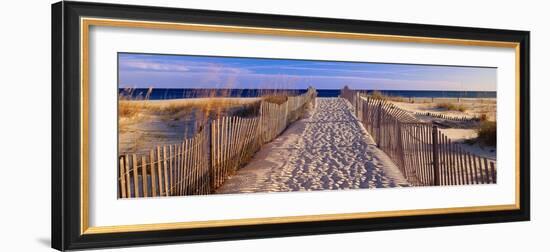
(327, 149)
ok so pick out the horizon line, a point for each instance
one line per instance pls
(316, 89)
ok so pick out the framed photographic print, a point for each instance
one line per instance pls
(179, 125)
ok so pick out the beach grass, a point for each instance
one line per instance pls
(487, 133)
(169, 107)
(483, 117)
(144, 122)
(377, 95)
(275, 98)
(451, 106)
(381, 96)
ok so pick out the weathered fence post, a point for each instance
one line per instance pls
(435, 155)
(358, 108)
(400, 146)
(378, 120)
(210, 128)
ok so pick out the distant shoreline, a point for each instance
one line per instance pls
(185, 93)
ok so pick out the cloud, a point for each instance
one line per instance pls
(143, 65)
(164, 71)
(152, 65)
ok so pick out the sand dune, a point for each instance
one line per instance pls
(459, 131)
(327, 149)
(474, 107)
(161, 122)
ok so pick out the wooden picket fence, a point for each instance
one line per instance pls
(447, 117)
(234, 141)
(179, 169)
(422, 152)
(200, 164)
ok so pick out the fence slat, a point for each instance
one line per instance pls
(214, 151)
(223, 135)
(136, 174)
(472, 169)
(127, 173)
(486, 171)
(122, 179)
(192, 168)
(166, 174)
(177, 169)
(493, 172)
(160, 176)
(442, 159)
(423, 136)
(144, 179)
(153, 173)
(480, 169)
(461, 166)
(171, 168)
(186, 167)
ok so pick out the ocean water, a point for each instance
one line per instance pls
(179, 93)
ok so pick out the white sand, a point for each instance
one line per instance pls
(474, 107)
(328, 149)
(459, 136)
(458, 131)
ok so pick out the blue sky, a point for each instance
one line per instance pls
(180, 71)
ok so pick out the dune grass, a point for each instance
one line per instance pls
(377, 95)
(483, 117)
(135, 108)
(169, 107)
(487, 133)
(129, 109)
(451, 106)
(275, 98)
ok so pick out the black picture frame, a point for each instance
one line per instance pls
(66, 114)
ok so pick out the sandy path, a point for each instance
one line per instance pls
(327, 149)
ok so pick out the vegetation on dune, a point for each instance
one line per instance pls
(275, 98)
(131, 108)
(487, 133)
(377, 95)
(249, 110)
(483, 117)
(451, 106)
(398, 99)
(132, 112)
